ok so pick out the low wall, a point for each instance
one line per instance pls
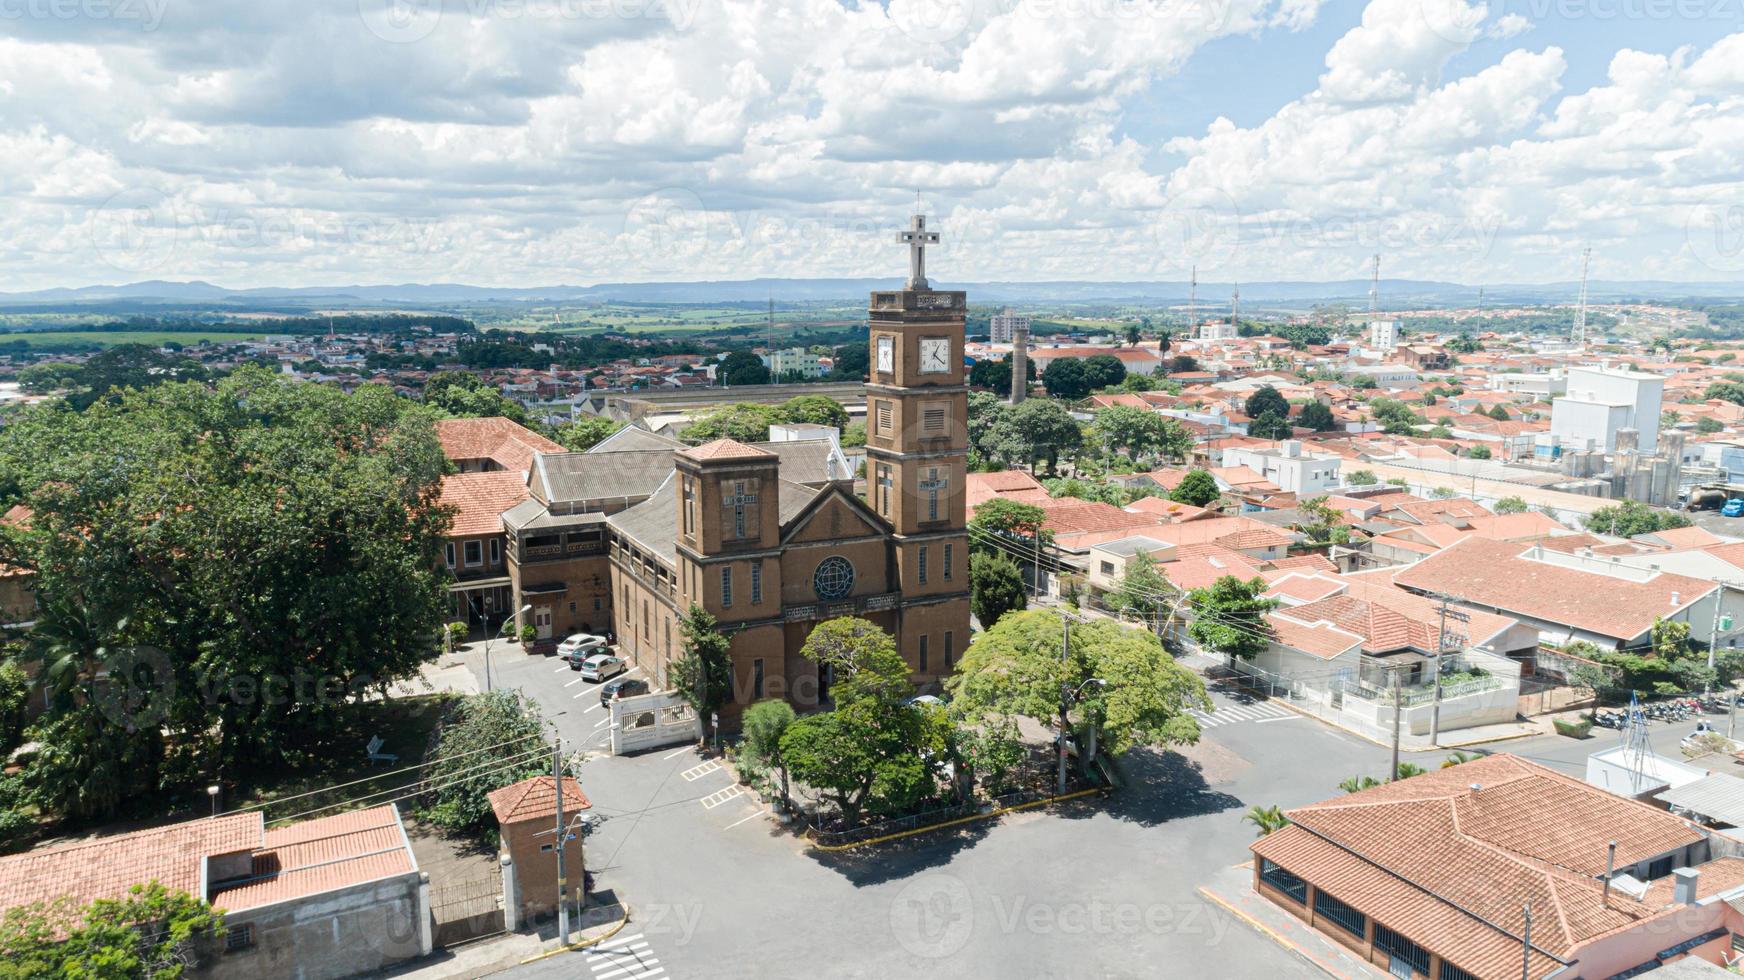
(336, 934)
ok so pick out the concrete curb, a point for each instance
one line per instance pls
(1387, 743)
(951, 823)
(1273, 934)
(584, 944)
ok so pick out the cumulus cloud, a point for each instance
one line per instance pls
(533, 141)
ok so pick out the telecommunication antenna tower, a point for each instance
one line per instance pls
(1580, 316)
(1193, 305)
(1375, 288)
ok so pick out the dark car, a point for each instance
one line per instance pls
(623, 687)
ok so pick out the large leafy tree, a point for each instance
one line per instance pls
(489, 741)
(1026, 664)
(586, 432)
(743, 368)
(465, 395)
(740, 421)
(1103, 371)
(1140, 431)
(996, 375)
(762, 727)
(850, 363)
(995, 587)
(1197, 488)
(1143, 592)
(1066, 378)
(105, 375)
(1269, 425)
(1266, 399)
(1038, 429)
(873, 750)
(245, 558)
(703, 673)
(1317, 417)
(814, 410)
(1631, 517)
(1229, 617)
(1010, 521)
(152, 933)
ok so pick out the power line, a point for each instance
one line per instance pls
(384, 775)
(447, 779)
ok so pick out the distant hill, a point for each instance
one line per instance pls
(1211, 295)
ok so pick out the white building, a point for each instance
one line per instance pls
(1218, 330)
(794, 360)
(1539, 385)
(1289, 467)
(1005, 326)
(1385, 375)
(1383, 334)
(1599, 402)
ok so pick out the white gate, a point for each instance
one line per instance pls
(648, 721)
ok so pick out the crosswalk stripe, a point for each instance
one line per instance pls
(635, 969)
(633, 948)
(612, 943)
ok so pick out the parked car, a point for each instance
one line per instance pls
(580, 646)
(599, 667)
(1733, 508)
(623, 687)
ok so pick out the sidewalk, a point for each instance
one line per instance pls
(504, 952)
(1232, 889)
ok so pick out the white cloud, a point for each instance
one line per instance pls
(562, 141)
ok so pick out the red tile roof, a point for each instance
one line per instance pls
(479, 499)
(726, 449)
(322, 855)
(105, 867)
(497, 439)
(534, 799)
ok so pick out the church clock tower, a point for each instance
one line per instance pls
(916, 454)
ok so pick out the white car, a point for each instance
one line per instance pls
(580, 646)
(599, 667)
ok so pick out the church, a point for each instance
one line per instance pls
(770, 538)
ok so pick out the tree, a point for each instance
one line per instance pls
(995, 588)
(154, 933)
(1008, 519)
(1670, 638)
(1708, 426)
(740, 421)
(1362, 478)
(813, 410)
(1443, 493)
(1016, 669)
(241, 560)
(1510, 505)
(703, 673)
(1631, 517)
(1317, 417)
(1322, 523)
(1140, 431)
(586, 432)
(14, 700)
(491, 740)
(1132, 334)
(1229, 617)
(1066, 378)
(1478, 452)
(743, 368)
(1103, 371)
(762, 727)
(1725, 391)
(1266, 819)
(851, 363)
(114, 370)
(1037, 429)
(1271, 425)
(1164, 341)
(1198, 488)
(873, 750)
(1500, 414)
(1266, 399)
(1182, 364)
(1357, 784)
(1459, 758)
(1464, 343)
(1142, 592)
(463, 394)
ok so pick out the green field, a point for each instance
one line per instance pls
(108, 338)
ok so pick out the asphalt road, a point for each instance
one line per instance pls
(1103, 888)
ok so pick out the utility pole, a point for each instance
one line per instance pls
(562, 843)
(1375, 288)
(1193, 305)
(1714, 634)
(1393, 773)
(1065, 692)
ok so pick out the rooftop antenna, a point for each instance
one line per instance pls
(1580, 316)
(1636, 749)
(1193, 304)
(1375, 288)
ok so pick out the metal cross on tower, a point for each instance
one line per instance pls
(917, 238)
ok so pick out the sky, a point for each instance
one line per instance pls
(535, 142)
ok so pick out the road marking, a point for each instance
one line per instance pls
(572, 683)
(602, 721)
(561, 668)
(592, 706)
(1232, 714)
(672, 755)
(641, 969)
(1264, 721)
(735, 823)
(695, 773)
(581, 694)
(613, 943)
(713, 800)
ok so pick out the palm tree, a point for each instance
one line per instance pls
(1459, 757)
(1266, 818)
(1357, 784)
(1407, 770)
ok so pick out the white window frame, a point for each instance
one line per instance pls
(466, 553)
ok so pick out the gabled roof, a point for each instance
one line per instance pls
(509, 445)
(599, 476)
(105, 867)
(322, 855)
(480, 498)
(725, 449)
(632, 438)
(536, 799)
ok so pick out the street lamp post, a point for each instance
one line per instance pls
(489, 636)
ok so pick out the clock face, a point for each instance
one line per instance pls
(886, 354)
(935, 355)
